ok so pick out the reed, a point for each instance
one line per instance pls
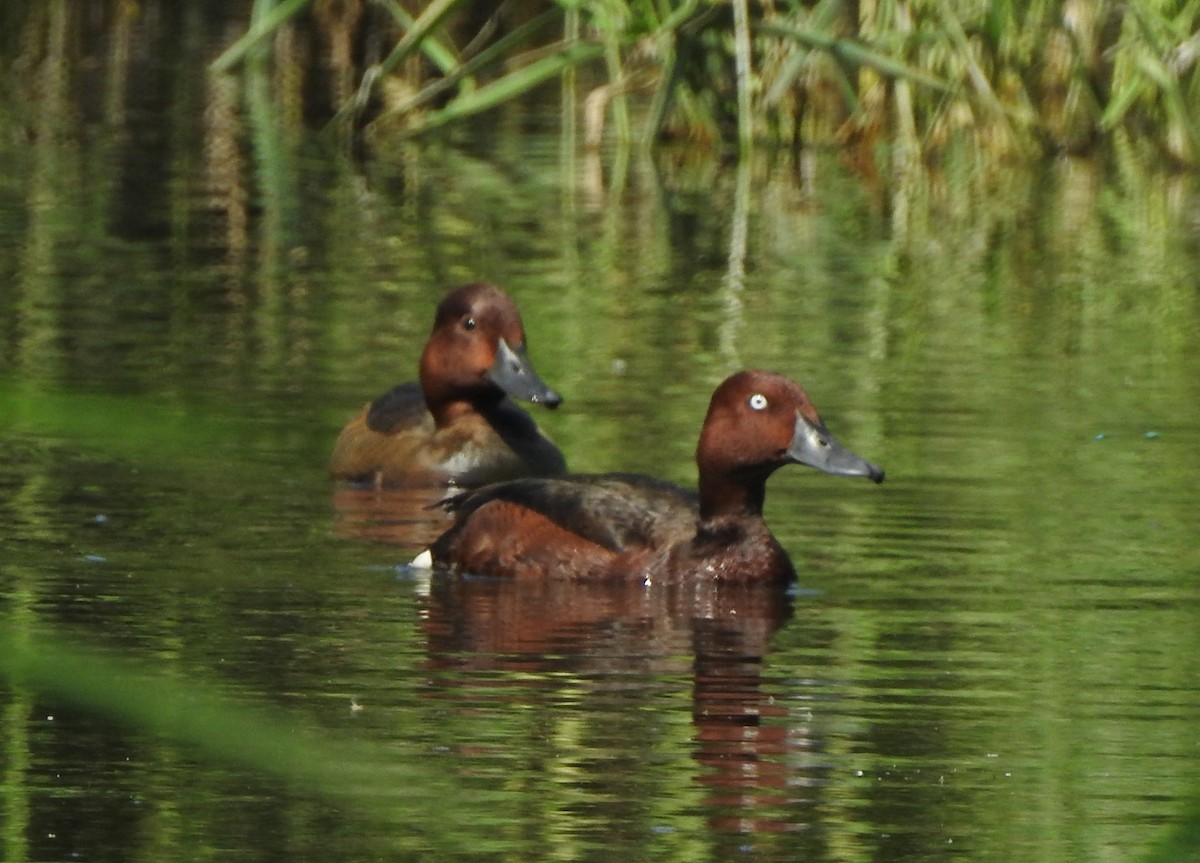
(1016, 78)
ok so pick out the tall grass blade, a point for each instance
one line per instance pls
(954, 29)
(161, 700)
(619, 105)
(258, 31)
(664, 95)
(1178, 111)
(799, 59)
(508, 87)
(846, 88)
(676, 18)
(496, 52)
(742, 64)
(435, 13)
(854, 52)
(434, 48)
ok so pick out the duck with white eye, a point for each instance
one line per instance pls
(632, 526)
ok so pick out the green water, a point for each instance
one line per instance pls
(208, 654)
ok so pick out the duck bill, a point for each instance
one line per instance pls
(514, 374)
(814, 446)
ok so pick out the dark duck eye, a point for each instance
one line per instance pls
(469, 323)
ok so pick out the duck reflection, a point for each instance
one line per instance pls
(716, 635)
(407, 516)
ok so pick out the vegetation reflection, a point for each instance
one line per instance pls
(198, 290)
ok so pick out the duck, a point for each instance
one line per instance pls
(457, 425)
(624, 525)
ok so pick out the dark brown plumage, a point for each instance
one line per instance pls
(627, 525)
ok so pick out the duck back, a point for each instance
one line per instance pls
(579, 525)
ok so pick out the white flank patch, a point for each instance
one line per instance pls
(424, 560)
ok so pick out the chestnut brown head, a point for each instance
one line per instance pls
(477, 351)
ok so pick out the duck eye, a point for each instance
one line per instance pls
(758, 401)
(468, 323)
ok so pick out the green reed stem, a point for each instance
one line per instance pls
(496, 52)
(854, 52)
(509, 87)
(441, 56)
(742, 65)
(260, 29)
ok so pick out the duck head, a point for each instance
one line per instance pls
(477, 352)
(758, 422)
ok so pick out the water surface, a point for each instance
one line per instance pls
(211, 652)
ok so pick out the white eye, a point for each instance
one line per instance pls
(758, 401)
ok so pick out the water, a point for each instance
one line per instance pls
(209, 652)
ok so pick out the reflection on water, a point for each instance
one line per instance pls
(990, 657)
(627, 644)
(406, 517)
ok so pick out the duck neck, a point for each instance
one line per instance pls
(722, 496)
(449, 398)
(447, 410)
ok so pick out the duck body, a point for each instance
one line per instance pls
(396, 441)
(634, 526)
(457, 425)
(603, 525)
